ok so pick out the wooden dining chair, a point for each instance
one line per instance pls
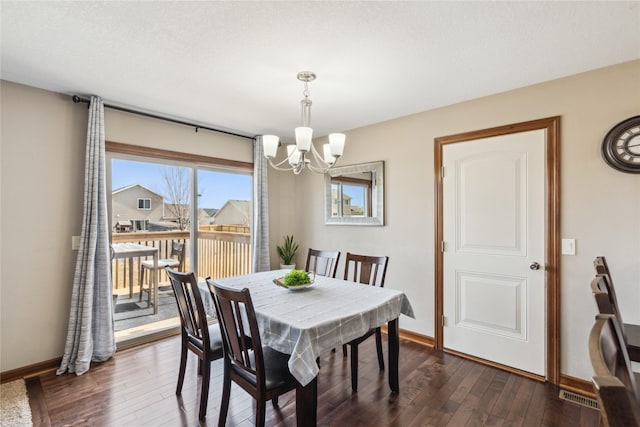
(322, 263)
(607, 302)
(261, 371)
(615, 383)
(367, 270)
(204, 340)
(175, 261)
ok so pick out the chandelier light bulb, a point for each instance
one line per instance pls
(270, 144)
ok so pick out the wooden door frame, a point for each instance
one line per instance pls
(552, 231)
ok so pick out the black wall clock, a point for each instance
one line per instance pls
(621, 146)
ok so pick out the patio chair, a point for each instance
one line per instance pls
(175, 261)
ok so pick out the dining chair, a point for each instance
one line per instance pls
(175, 261)
(367, 270)
(198, 336)
(615, 383)
(261, 371)
(322, 263)
(607, 302)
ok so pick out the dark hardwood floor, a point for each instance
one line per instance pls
(137, 388)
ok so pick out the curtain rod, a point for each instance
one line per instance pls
(77, 100)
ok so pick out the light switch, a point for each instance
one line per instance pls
(568, 246)
(75, 243)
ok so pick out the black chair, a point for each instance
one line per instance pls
(175, 261)
(322, 263)
(605, 296)
(615, 383)
(198, 336)
(261, 371)
(368, 270)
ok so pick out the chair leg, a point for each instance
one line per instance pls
(354, 367)
(344, 350)
(274, 402)
(204, 394)
(261, 408)
(183, 367)
(226, 395)
(379, 348)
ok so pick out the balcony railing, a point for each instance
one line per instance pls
(220, 253)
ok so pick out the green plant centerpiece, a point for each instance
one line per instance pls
(288, 250)
(297, 278)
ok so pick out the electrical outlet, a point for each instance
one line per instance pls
(568, 246)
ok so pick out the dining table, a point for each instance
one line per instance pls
(135, 250)
(308, 322)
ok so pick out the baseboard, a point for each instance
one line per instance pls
(413, 337)
(52, 365)
(577, 385)
(31, 371)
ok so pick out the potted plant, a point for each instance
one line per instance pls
(287, 252)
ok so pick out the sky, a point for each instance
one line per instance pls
(215, 188)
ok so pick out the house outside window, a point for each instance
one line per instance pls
(144, 204)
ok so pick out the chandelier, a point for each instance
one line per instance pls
(298, 155)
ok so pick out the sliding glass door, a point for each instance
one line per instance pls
(161, 203)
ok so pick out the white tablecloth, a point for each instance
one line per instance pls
(307, 323)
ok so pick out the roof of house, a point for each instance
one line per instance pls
(129, 187)
(241, 206)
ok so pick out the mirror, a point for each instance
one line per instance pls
(354, 195)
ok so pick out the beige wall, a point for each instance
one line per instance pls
(48, 161)
(41, 192)
(600, 207)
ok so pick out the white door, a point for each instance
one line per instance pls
(494, 237)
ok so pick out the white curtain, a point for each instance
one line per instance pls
(90, 334)
(260, 235)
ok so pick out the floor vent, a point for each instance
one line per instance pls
(579, 399)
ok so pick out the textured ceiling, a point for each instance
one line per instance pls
(233, 65)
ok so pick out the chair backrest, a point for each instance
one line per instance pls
(237, 320)
(601, 266)
(193, 317)
(177, 251)
(322, 263)
(369, 270)
(604, 294)
(614, 380)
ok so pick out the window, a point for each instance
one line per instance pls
(139, 224)
(144, 204)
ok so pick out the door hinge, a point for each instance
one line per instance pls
(444, 321)
(443, 246)
(442, 172)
